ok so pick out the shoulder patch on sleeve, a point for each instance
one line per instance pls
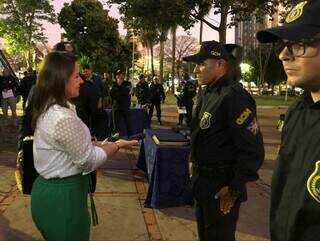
(244, 116)
(253, 127)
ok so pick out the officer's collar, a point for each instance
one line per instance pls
(219, 83)
(307, 101)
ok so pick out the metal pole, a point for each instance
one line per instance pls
(201, 31)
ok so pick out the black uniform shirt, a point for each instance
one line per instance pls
(295, 198)
(188, 92)
(157, 93)
(120, 94)
(142, 92)
(87, 103)
(225, 131)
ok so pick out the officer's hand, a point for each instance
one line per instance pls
(127, 144)
(226, 199)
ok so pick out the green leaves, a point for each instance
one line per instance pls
(95, 35)
(21, 23)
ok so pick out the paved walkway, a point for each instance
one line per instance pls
(120, 195)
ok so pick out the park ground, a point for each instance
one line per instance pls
(121, 191)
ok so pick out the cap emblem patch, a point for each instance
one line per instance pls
(215, 53)
(296, 12)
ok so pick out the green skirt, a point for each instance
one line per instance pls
(59, 208)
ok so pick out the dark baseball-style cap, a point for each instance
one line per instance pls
(120, 71)
(64, 46)
(208, 50)
(302, 22)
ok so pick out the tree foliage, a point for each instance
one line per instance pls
(185, 45)
(21, 24)
(266, 65)
(95, 35)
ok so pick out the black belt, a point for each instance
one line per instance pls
(212, 171)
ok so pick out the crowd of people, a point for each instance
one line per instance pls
(64, 113)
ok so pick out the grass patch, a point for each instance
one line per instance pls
(273, 100)
(261, 100)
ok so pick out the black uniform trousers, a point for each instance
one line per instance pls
(188, 115)
(119, 115)
(100, 125)
(158, 109)
(212, 224)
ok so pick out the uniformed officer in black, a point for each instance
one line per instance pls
(90, 107)
(142, 91)
(156, 96)
(295, 190)
(185, 99)
(226, 145)
(121, 100)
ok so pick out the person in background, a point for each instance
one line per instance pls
(107, 83)
(142, 91)
(226, 144)
(156, 96)
(295, 192)
(26, 84)
(9, 88)
(121, 101)
(63, 153)
(90, 106)
(185, 99)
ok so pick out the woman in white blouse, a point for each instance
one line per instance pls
(63, 153)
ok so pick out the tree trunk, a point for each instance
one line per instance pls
(151, 53)
(162, 42)
(223, 24)
(161, 60)
(173, 72)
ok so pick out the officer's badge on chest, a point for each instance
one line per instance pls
(205, 121)
(313, 183)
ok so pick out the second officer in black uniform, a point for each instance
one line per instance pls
(121, 100)
(143, 91)
(186, 99)
(226, 145)
(295, 188)
(156, 95)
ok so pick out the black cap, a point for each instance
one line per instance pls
(208, 50)
(141, 76)
(119, 71)
(302, 22)
(64, 46)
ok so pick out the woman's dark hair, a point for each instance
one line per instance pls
(55, 72)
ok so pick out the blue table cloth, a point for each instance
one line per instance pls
(167, 170)
(139, 121)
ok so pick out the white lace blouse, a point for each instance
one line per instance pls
(62, 144)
